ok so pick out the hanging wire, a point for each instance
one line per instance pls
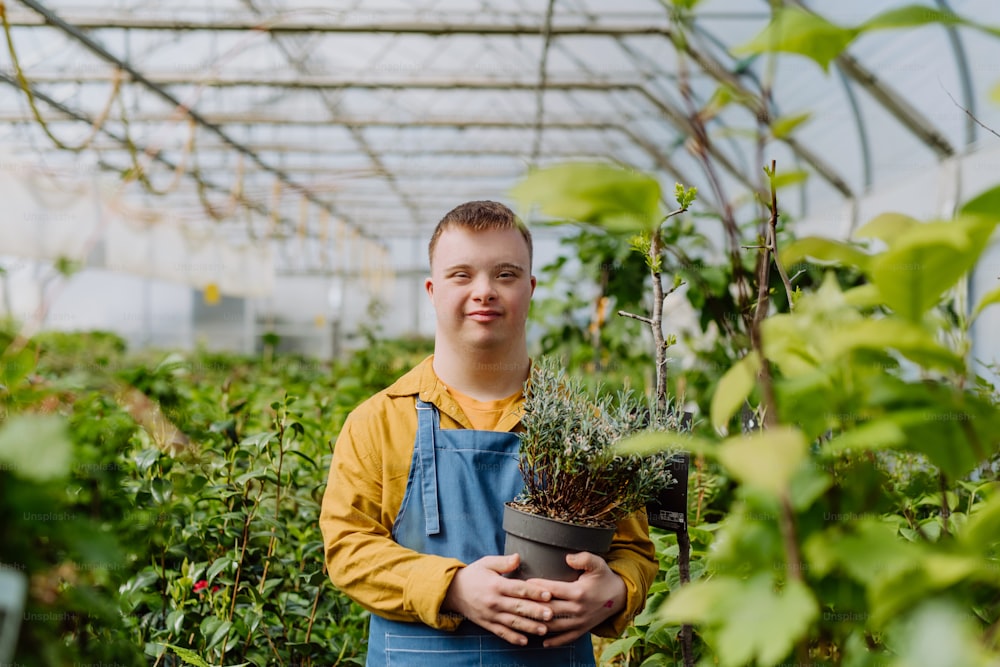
(22, 81)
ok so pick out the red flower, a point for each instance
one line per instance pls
(201, 585)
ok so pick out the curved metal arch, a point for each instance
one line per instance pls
(964, 78)
(868, 176)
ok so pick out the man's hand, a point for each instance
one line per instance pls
(509, 608)
(578, 606)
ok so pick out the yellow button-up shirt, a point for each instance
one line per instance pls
(368, 474)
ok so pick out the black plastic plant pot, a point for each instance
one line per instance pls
(544, 543)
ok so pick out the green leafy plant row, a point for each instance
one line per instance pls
(164, 507)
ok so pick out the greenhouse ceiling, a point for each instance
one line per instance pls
(305, 124)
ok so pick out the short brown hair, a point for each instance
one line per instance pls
(479, 216)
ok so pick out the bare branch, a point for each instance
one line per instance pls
(636, 317)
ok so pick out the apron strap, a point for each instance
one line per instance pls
(428, 421)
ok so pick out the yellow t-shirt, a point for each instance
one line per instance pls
(486, 415)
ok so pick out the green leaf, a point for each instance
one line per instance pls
(191, 658)
(787, 178)
(878, 434)
(188, 656)
(766, 623)
(988, 300)
(863, 296)
(886, 226)
(795, 30)
(733, 389)
(985, 205)
(823, 250)
(218, 566)
(926, 261)
(983, 528)
(618, 647)
(785, 125)
(16, 367)
(36, 446)
(617, 199)
(867, 549)
(650, 442)
(220, 633)
(765, 460)
(911, 16)
(912, 341)
(995, 94)
(699, 602)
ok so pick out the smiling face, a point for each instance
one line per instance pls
(481, 287)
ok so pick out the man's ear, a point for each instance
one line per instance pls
(429, 287)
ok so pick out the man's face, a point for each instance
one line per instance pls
(481, 287)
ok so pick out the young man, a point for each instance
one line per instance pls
(411, 518)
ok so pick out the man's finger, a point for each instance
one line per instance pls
(500, 564)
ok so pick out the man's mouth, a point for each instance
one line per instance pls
(483, 315)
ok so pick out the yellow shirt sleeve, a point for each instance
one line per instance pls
(362, 497)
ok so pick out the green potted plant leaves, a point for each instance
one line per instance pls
(577, 485)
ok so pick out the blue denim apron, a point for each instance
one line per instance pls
(460, 518)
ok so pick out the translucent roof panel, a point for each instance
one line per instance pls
(281, 121)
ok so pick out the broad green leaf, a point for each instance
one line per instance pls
(878, 434)
(733, 389)
(947, 569)
(15, 367)
(911, 16)
(36, 446)
(886, 226)
(863, 296)
(602, 194)
(795, 30)
(219, 633)
(649, 442)
(618, 647)
(785, 125)
(218, 566)
(823, 250)
(867, 549)
(700, 601)
(765, 460)
(986, 204)
(910, 340)
(983, 528)
(788, 346)
(988, 300)
(940, 634)
(765, 624)
(921, 265)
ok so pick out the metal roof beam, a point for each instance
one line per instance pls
(676, 116)
(297, 27)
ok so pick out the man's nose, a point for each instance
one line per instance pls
(484, 290)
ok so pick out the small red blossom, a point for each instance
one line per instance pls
(201, 585)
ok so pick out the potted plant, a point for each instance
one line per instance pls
(577, 486)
